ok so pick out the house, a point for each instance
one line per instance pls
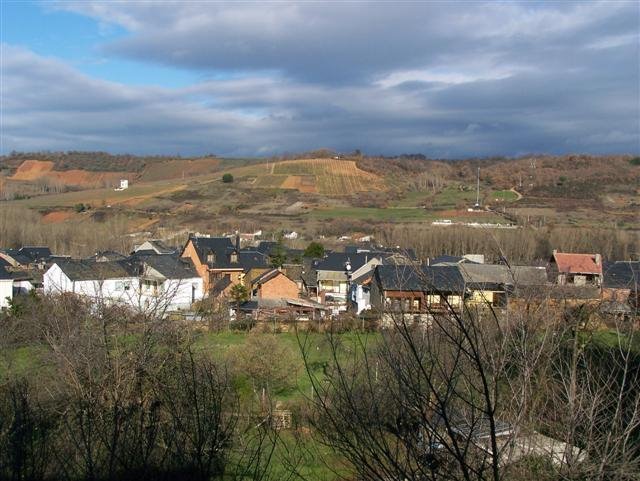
(124, 185)
(6, 288)
(168, 283)
(217, 261)
(26, 281)
(360, 292)
(274, 284)
(416, 292)
(569, 269)
(493, 284)
(486, 283)
(157, 283)
(111, 282)
(334, 273)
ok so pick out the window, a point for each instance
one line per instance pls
(211, 258)
(416, 304)
(433, 299)
(234, 257)
(122, 286)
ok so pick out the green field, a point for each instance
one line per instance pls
(503, 195)
(451, 197)
(406, 214)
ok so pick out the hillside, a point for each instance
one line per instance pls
(334, 194)
(331, 177)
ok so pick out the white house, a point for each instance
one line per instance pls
(6, 288)
(124, 184)
(169, 283)
(110, 282)
(149, 283)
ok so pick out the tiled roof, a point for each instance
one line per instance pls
(336, 261)
(222, 247)
(36, 253)
(84, 270)
(577, 263)
(4, 275)
(170, 266)
(420, 278)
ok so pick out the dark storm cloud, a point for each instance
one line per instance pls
(447, 80)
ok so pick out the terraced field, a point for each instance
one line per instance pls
(330, 177)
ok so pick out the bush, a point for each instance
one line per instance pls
(227, 178)
(314, 249)
(635, 161)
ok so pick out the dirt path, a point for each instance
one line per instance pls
(518, 194)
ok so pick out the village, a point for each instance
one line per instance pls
(260, 280)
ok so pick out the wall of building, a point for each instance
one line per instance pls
(278, 287)
(6, 292)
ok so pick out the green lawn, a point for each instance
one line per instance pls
(503, 195)
(450, 197)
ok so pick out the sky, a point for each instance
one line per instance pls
(446, 79)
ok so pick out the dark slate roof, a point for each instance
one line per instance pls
(4, 275)
(170, 266)
(4, 262)
(104, 256)
(20, 258)
(420, 278)
(85, 270)
(293, 271)
(336, 261)
(266, 246)
(222, 247)
(250, 259)
(308, 274)
(36, 253)
(621, 275)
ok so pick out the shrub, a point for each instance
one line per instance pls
(227, 178)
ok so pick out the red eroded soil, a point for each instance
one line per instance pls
(32, 170)
(57, 216)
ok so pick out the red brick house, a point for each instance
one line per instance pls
(274, 284)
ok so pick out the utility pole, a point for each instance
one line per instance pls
(478, 189)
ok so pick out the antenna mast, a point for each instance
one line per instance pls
(478, 189)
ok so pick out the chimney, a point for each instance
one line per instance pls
(598, 259)
(237, 241)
